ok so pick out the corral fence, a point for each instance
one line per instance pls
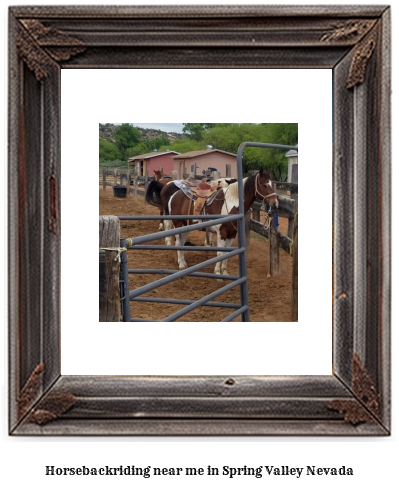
(261, 223)
(123, 176)
(126, 176)
(114, 279)
(259, 220)
(140, 243)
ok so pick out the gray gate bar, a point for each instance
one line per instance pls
(124, 287)
(235, 314)
(202, 301)
(182, 248)
(172, 217)
(179, 301)
(182, 273)
(170, 233)
(172, 271)
(263, 145)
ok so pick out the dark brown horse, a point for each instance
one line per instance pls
(159, 177)
(175, 202)
(152, 197)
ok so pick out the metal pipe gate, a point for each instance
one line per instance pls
(241, 308)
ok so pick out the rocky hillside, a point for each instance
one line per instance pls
(107, 131)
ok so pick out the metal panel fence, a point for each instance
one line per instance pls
(137, 243)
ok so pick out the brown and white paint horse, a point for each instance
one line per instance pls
(155, 188)
(175, 202)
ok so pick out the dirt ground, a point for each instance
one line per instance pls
(270, 298)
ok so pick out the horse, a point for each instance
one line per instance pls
(226, 202)
(151, 197)
(161, 178)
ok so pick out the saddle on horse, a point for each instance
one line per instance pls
(200, 192)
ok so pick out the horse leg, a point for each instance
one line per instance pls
(221, 243)
(221, 266)
(208, 238)
(161, 226)
(227, 243)
(168, 226)
(180, 241)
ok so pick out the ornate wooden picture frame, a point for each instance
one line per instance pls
(353, 42)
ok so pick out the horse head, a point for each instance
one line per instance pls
(264, 189)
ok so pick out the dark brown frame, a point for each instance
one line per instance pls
(353, 41)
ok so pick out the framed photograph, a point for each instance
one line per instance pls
(353, 44)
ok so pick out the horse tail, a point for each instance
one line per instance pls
(153, 193)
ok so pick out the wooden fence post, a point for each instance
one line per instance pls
(129, 187)
(135, 185)
(110, 310)
(294, 294)
(174, 175)
(147, 181)
(256, 212)
(294, 196)
(104, 179)
(274, 240)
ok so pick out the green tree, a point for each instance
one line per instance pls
(183, 146)
(126, 136)
(139, 149)
(108, 151)
(196, 130)
(193, 130)
(157, 143)
(283, 134)
(228, 137)
(148, 146)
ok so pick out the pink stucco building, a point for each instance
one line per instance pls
(154, 161)
(201, 160)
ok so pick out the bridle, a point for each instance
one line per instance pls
(264, 197)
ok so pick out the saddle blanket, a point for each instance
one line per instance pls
(181, 185)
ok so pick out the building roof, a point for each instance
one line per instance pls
(292, 153)
(197, 153)
(151, 155)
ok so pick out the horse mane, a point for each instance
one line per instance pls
(232, 189)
